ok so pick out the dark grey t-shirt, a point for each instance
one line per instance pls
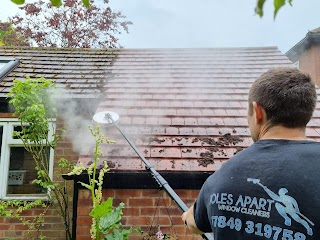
(269, 191)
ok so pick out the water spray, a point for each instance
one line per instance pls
(109, 118)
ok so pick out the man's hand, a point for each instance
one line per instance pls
(188, 219)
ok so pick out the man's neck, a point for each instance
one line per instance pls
(280, 132)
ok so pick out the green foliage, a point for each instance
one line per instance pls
(15, 209)
(19, 2)
(31, 93)
(277, 5)
(106, 220)
(9, 36)
(101, 210)
(56, 3)
(86, 3)
(35, 109)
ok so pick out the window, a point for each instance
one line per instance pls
(17, 166)
(296, 64)
(6, 66)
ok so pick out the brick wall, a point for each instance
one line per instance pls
(139, 211)
(309, 62)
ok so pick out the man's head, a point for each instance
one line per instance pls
(281, 97)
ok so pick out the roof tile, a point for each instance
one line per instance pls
(175, 104)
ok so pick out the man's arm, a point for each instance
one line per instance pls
(188, 219)
(271, 194)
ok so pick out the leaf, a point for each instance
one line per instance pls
(19, 2)
(86, 3)
(259, 7)
(86, 185)
(277, 5)
(56, 3)
(112, 220)
(102, 210)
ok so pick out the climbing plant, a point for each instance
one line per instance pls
(106, 220)
(34, 107)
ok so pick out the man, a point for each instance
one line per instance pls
(271, 190)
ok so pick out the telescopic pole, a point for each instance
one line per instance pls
(159, 179)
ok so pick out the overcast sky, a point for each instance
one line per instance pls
(208, 23)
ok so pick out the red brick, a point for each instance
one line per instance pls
(148, 211)
(19, 227)
(108, 193)
(141, 202)
(131, 211)
(5, 226)
(138, 221)
(83, 231)
(150, 192)
(125, 193)
(84, 220)
(84, 211)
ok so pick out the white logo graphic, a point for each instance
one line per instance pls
(286, 206)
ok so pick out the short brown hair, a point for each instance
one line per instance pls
(287, 95)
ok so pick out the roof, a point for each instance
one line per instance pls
(311, 38)
(79, 73)
(185, 109)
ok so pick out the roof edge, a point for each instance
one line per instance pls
(295, 52)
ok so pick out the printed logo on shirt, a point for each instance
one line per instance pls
(286, 206)
(260, 207)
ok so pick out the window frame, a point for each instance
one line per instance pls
(8, 141)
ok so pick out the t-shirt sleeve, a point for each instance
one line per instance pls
(201, 213)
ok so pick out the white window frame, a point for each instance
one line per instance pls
(8, 141)
(296, 64)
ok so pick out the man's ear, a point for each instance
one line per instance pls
(259, 113)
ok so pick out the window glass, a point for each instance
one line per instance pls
(2, 64)
(22, 172)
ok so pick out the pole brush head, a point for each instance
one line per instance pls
(103, 119)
